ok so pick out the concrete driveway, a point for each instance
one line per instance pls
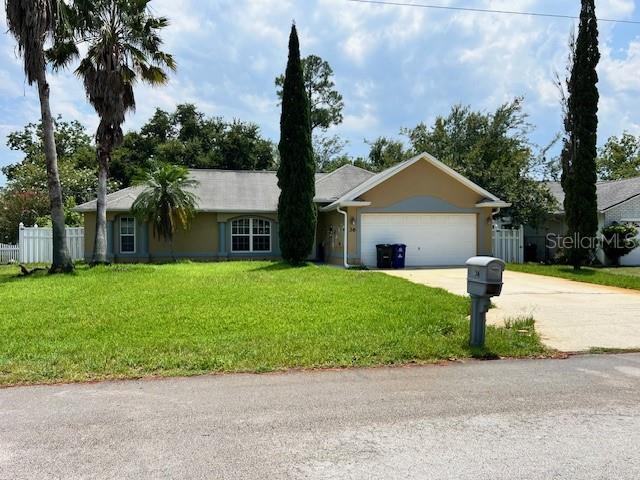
(570, 316)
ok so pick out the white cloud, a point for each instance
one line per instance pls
(622, 74)
(363, 121)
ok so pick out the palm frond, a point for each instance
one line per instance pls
(167, 201)
(31, 22)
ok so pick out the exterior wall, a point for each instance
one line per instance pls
(200, 241)
(331, 236)
(90, 233)
(423, 188)
(209, 238)
(421, 179)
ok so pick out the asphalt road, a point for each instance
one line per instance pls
(547, 419)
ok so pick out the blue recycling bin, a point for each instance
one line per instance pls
(398, 255)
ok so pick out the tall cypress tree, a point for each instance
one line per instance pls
(296, 173)
(579, 151)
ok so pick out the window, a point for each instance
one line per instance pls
(250, 235)
(127, 235)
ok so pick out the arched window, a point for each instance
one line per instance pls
(250, 235)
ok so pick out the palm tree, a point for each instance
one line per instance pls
(123, 47)
(32, 23)
(166, 202)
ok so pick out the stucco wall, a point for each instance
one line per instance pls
(331, 234)
(90, 232)
(423, 188)
(420, 179)
(208, 238)
(200, 240)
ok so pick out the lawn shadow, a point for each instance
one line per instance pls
(480, 353)
(278, 266)
(583, 272)
(17, 276)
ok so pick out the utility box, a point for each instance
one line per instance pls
(484, 276)
(484, 280)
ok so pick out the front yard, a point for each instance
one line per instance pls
(623, 277)
(128, 321)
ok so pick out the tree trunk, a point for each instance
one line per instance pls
(100, 244)
(61, 260)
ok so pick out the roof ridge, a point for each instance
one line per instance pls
(228, 170)
(327, 175)
(607, 182)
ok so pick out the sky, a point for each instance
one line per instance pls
(395, 66)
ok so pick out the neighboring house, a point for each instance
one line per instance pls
(441, 216)
(618, 201)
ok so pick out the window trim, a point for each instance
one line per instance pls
(251, 235)
(134, 235)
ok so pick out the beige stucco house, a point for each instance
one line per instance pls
(441, 216)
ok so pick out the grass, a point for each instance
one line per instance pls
(128, 321)
(623, 277)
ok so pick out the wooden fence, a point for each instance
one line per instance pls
(35, 244)
(508, 244)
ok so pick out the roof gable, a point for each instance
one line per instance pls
(390, 172)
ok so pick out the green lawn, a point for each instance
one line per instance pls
(128, 321)
(623, 277)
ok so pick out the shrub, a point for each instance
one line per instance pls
(618, 240)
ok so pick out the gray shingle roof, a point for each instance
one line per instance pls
(243, 191)
(610, 193)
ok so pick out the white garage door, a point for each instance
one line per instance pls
(431, 239)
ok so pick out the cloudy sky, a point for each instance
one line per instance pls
(395, 66)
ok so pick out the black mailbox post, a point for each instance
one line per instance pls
(484, 280)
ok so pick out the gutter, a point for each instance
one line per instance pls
(346, 235)
(337, 205)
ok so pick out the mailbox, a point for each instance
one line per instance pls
(484, 276)
(484, 280)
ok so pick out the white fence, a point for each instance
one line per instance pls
(8, 253)
(508, 244)
(35, 244)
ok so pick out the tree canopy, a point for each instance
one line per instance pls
(492, 150)
(296, 172)
(167, 202)
(188, 138)
(325, 101)
(619, 158)
(24, 198)
(581, 128)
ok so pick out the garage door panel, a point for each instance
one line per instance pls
(431, 239)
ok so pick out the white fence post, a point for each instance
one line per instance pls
(508, 244)
(35, 244)
(21, 244)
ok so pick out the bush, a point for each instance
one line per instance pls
(618, 240)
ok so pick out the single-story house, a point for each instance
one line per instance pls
(618, 201)
(441, 216)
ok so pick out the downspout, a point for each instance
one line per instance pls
(346, 234)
